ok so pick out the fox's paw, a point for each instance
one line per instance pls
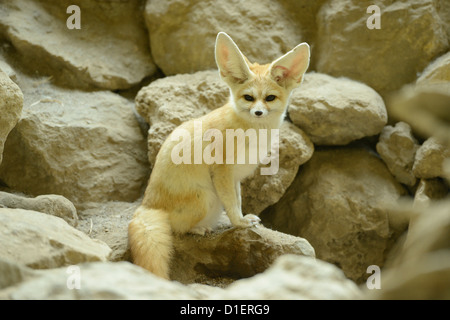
(249, 220)
(200, 230)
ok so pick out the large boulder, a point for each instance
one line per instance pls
(424, 106)
(436, 72)
(11, 103)
(294, 277)
(42, 241)
(232, 253)
(219, 257)
(291, 277)
(109, 51)
(411, 34)
(340, 202)
(86, 146)
(336, 111)
(397, 147)
(93, 281)
(52, 204)
(260, 191)
(182, 33)
(421, 270)
(429, 159)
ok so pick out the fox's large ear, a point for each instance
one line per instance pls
(231, 62)
(288, 70)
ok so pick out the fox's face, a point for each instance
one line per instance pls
(260, 98)
(260, 93)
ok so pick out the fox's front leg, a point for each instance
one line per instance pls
(228, 191)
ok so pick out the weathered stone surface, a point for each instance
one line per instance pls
(220, 257)
(179, 98)
(110, 50)
(430, 158)
(294, 277)
(12, 273)
(430, 190)
(42, 241)
(52, 204)
(232, 253)
(437, 71)
(425, 104)
(340, 203)
(6, 68)
(86, 146)
(182, 33)
(336, 111)
(166, 103)
(260, 191)
(422, 269)
(411, 34)
(108, 222)
(291, 277)
(98, 281)
(424, 107)
(11, 103)
(397, 147)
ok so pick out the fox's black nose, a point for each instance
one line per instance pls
(258, 113)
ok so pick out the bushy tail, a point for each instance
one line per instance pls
(150, 239)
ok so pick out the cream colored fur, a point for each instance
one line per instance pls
(185, 198)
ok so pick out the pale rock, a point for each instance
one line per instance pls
(168, 102)
(411, 34)
(85, 146)
(52, 204)
(340, 202)
(430, 190)
(109, 51)
(218, 257)
(182, 97)
(444, 13)
(425, 107)
(421, 271)
(12, 273)
(183, 33)
(397, 147)
(231, 253)
(293, 277)
(7, 69)
(97, 281)
(336, 111)
(157, 134)
(430, 158)
(42, 241)
(260, 191)
(11, 103)
(437, 71)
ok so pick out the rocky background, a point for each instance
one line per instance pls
(364, 155)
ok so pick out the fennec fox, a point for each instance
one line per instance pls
(184, 197)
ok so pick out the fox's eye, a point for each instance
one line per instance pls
(249, 98)
(270, 98)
